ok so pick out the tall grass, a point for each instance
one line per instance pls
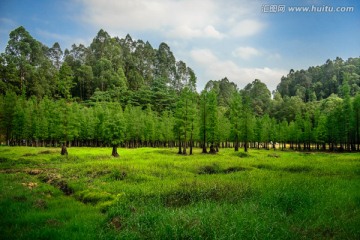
(156, 194)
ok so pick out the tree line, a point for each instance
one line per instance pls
(120, 92)
(197, 121)
(319, 82)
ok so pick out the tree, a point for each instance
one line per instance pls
(85, 82)
(7, 106)
(356, 109)
(66, 77)
(247, 122)
(259, 96)
(114, 126)
(224, 90)
(235, 118)
(203, 120)
(25, 53)
(212, 122)
(347, 114)
(185, 117)
(55, 54)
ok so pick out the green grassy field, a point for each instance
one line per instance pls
(156, 194)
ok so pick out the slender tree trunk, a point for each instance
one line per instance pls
(191, 139)
(179, 152)
(204, 136)
(236, 144)
(204, 150)
(212, 149)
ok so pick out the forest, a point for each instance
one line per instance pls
(125, 93)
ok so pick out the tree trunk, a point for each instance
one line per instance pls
(204, 150)
(179, 152)
(184, 148)
(212, 149)
(114, 151)
(236, 143)
(245, 147)
(64, 149)
(191, 139)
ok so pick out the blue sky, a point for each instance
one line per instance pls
(239, 39)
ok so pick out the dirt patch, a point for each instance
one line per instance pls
(64, 187)
(10, 171)
(30, 185)
(116, 223)
(56, 181)
(34, 171)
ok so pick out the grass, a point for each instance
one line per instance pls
(151, 193)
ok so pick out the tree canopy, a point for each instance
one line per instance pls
(123, 92)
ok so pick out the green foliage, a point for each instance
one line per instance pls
(49, 96)
(167, 196)
(321, 81)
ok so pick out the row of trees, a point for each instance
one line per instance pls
(198, 120)
(124, 92)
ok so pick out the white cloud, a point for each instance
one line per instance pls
(246, 28)
(215, 68)
(157, 15)
(184, 19)
(246, 52)
(210, 31)
(186, 32)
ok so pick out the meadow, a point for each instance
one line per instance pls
(154, 193)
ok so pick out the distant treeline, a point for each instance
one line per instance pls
(120, 92)
(331, 124)
(320, 82)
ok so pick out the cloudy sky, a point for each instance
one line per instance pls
(238, 39)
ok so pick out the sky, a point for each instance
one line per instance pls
(238, 39)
